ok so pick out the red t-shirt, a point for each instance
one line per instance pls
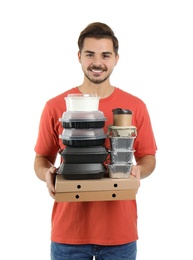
(103, 222)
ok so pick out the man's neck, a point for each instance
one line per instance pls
(101, 90)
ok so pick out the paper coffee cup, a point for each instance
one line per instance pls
(122, 117)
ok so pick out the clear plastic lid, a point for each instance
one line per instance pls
(73, 116)
(77, 134)
(78, 95)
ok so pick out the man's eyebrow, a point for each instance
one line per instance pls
(105, 52)
(89, 51)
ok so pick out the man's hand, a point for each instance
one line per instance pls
(50, 180)
(136, 172)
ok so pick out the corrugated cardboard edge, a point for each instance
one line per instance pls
(63, 185)
(95, 196)
(104, 189)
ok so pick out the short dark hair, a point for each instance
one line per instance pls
(98, 30)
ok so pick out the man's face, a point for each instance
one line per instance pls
(97, 59)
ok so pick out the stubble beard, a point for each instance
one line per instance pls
(96, 81)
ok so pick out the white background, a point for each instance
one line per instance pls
(38, 60)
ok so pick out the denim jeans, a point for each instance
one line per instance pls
(87, 252)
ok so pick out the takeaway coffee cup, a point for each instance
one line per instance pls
(122, 117)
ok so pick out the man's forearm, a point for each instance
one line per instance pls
(42, 164)
(147, 165)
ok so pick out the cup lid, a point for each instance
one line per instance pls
(78, 95)
(121, 111)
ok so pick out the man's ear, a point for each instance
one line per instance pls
(79, 56)
(116, 59)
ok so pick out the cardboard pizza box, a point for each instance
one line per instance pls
(103, 189)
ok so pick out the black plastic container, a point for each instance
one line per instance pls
(83, 137)
(85, 124)
(84, 143)
(83, 119)
(82, 171)
(92, 154)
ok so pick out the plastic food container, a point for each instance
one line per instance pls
(83, 119)
(82, 171)
(96, 154)
(121, 156)
(126, 131)
(82, 102)
(121, 143)
(83, 137)
(119, 171)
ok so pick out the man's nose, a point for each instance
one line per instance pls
(97, 60)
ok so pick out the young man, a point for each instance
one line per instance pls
(104, 229)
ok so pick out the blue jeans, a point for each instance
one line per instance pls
(87, 252)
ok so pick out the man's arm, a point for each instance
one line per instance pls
(46, 171)
(144, 166)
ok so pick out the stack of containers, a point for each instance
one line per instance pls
(84, 138)
(122, 135)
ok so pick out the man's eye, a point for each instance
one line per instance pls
(106, 56)
(89, 55)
